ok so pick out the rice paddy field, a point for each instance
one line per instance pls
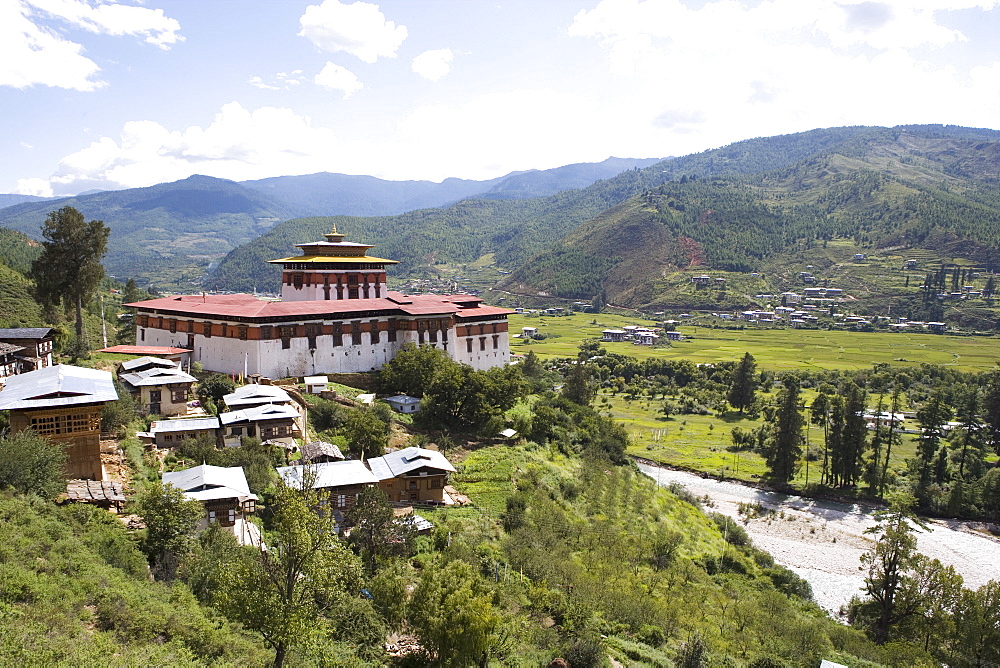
(701, 442)
(774, 349)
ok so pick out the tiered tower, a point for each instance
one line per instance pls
(332, 269)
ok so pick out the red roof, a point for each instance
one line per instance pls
(248, 306)
(144, 350)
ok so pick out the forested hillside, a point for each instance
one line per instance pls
(911, 191)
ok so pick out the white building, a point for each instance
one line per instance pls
(336, 316)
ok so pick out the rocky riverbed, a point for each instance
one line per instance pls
(823, 541)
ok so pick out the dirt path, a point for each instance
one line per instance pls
(823, 541)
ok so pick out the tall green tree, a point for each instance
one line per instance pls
(69, 269)
(991, 407)
(171, 522)
(902, 584)
(377, 533)
(932, 417)
(305, 572)
(785, 448)
(452, 613)
(743, 385)
(855, 434)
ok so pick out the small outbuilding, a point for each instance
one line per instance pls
(316, 384)
(402, 403)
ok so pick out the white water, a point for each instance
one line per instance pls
(823, 541)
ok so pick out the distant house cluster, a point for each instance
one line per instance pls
(639, 335)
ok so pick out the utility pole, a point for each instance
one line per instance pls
(104, 327)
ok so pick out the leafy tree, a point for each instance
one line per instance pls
(377, 532)
(932, 417)
(171, 522)
(452, 613)
(743, 385)
(31, 464)
(69, 269)
(578, 387)
(305, 571)
(115, 414)
(215, 387)
(367, 435)
(977, 624)
(900, 581)
(991, 407)
(785, 447)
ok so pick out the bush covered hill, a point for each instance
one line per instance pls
(168, 234)
(926, 194)
(828, 183)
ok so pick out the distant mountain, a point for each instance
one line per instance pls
(170, 233)
(167, 229)
(327, 194)
(12, 199)
(514, 230)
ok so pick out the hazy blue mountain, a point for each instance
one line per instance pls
(10, 199)
(328, 194)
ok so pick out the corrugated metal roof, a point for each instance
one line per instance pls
(330, 474)
(59, 385)
(154, 377)
(189, 424)
(207, 482)
(144, 350)
(128, 365)
(408, 459)
(256, 394)
(259, 413)
(248, 306)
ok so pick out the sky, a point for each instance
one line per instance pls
(111, 94)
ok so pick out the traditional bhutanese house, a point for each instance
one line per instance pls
(615, 335)
(255, 395)
(224, 493)
(9, 361)
(63, 403)
(674, 336)
(145, 363)
(412, 474)
(340, 482)
(171, 433)
(268, 423)
(159, 390)
(646, 338)
(402, 403)
(336, 315)
(36, 343)
(316, 452)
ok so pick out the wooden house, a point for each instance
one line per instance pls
(224, 493)
(316, 452)
(36, 344)
(171, 433)
(412, 475)
(159, 387)
(402, 403)
(268, 423)
(339, 482)
(63, 403)
(10, 363)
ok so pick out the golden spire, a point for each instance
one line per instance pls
(333, 236)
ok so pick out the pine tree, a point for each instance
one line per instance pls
(786, 443)
(742, 388)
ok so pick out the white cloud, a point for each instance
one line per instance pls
(111, 18)
(728, 70)
(335, 77)
(280, 81)
(433, 64)
(238, 144)
(359, 28)
(37, 187)
(33, 52)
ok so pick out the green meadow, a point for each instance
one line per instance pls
(774, 349)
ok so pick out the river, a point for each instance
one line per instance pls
(823, 541)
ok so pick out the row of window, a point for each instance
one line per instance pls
(67, 423)
(482, 343)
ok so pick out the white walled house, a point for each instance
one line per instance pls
(336, 316)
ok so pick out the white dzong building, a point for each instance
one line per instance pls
(336, 315)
